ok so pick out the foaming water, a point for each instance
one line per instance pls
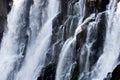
(66, 58)
(36, 51)
(108, 59)
(12, 44)
(27, 45)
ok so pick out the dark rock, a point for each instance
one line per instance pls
(9, 4)
(4, 9)
(100, 36)
(2, 24)
(49, 72)
(64, 7)
(81, 37)
(95, 6)
(116, 73)
(67, 20)
(108, 76)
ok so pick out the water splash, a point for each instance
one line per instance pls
(66, 58)
(110, 55)
(38, 45)
(12, 42)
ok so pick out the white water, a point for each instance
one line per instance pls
(11, 46)
(81, 24)
(39, 37)
(36, 51)
(88, 46)
(86, 49)
(82, 8)
(66, 61)
(108, 59)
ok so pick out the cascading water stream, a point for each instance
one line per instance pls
(108, 59)
(86, 50)
(12, 42)
(27, 40)
(66, 58)
(82, 7)
(36, 51)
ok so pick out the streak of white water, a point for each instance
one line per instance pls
(36, 51)
(81, 25)
(110, 55)
(38, 17)
(86, 50)
(88, 46)
(65, 60)
(82, 7)
(10, 47)
(67, 54)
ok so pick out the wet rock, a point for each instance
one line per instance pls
(67, 21)
(3, 15)
(64, 26)
(116, 73)
(95, 6)
(9, 4)
(48, 72)
(108, 76)
(2, 24)
(81, 37)
(5, 7)
(100, 36)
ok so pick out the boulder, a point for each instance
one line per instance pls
(116, 73)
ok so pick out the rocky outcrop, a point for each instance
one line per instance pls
(3, 15)
(95, 6)
(64, 26)
(116, 73)
(66, 22)
(5, 6)
(48, 72)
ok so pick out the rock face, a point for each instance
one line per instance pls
(116, 73)
(64, 26)
(3, 15)
(96, 6)
(61, 28)
(4, 10)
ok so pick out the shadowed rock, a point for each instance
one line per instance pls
(116, 73)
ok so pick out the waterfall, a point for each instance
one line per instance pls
(39, 37)
(66, 59)
(12, 43)
(86, 49)
(108, 59)
(36, 51)
(82, 7)
(60, 40)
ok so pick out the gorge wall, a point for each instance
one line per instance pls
(64, 26)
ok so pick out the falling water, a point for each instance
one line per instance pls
(29, 33)
(86, 50)
(12, 42)
(36, 51)
(66, 58)
(82, 7)
(108, 59)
